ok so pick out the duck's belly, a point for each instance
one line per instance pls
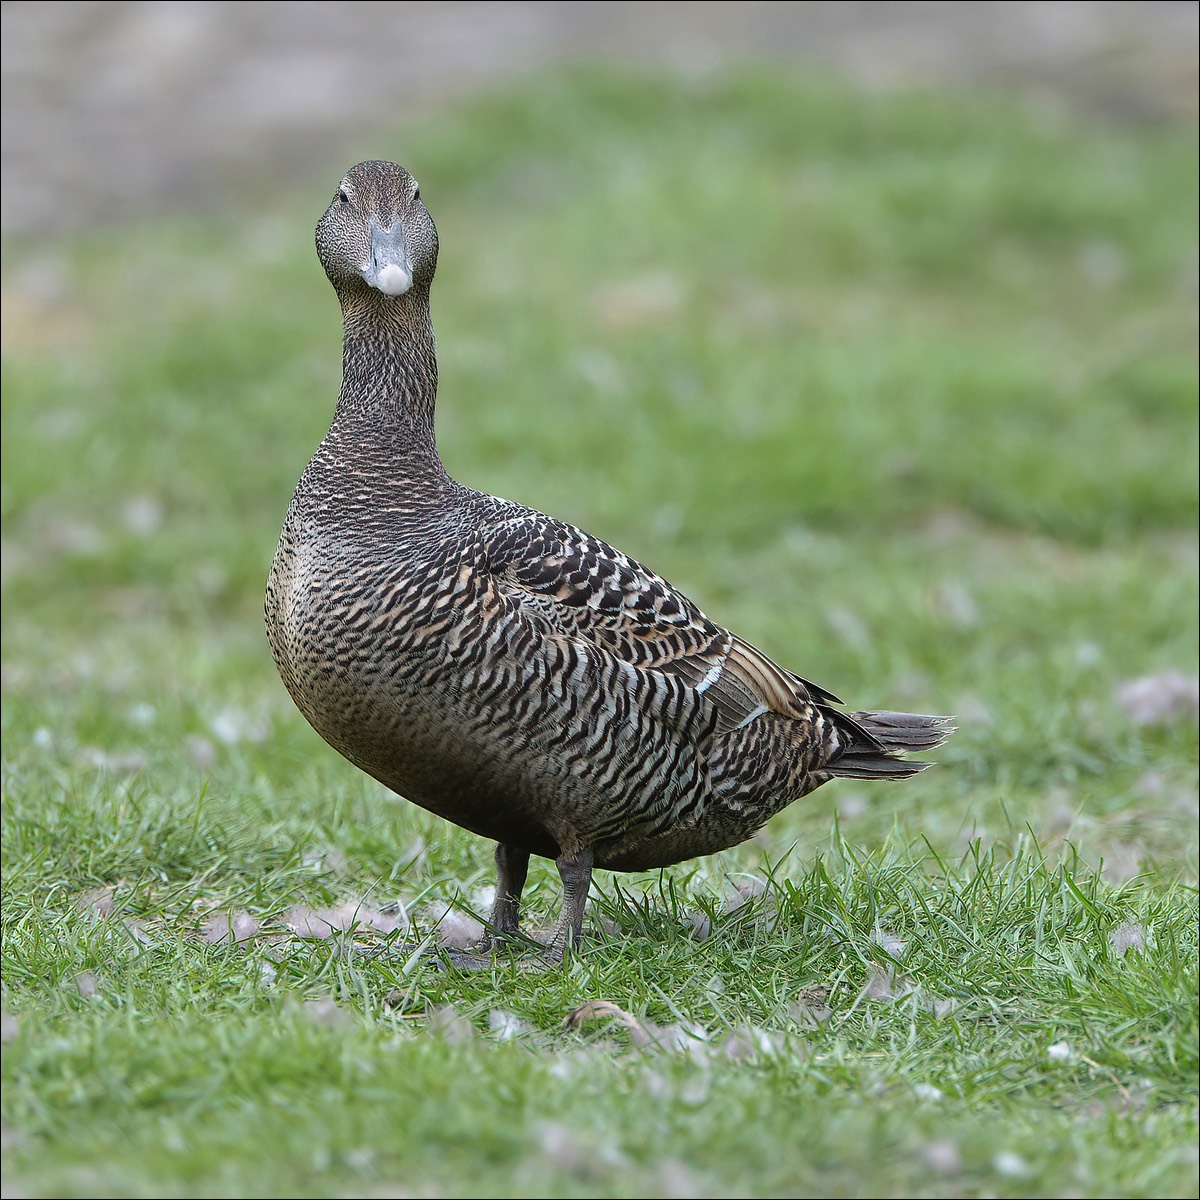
(518, 738)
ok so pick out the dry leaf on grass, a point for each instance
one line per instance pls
(594, 1010)
(811, 1007)
(642, 1034)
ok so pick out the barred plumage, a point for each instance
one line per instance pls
(503, 669)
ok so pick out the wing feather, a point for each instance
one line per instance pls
(576, 586)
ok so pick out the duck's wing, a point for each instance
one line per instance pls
(574, 585)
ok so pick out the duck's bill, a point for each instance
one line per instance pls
(390, 270)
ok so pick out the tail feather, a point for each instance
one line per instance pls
(905, 731)
(877, 740)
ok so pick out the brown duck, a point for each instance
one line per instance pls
(503, 669)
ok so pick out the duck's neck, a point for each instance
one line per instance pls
(389, 371)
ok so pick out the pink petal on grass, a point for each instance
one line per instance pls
(505, 1025)
(1127, 936)
(446, 1022)
(742, 891)
(889, 943)
(1164, 698)
(325, 1011)
(239, 927)
(455, 929)
(677, 1182)
(97, 901)
(138, 931)
(943, 1157)
(680, 1038)
(559, 1147)
(884, 984)
(232, 725)
(121, 762)
(344, 917)
(749, 1042)
(941, 1006)
(1010, 1165)
(201, 753)
(142, 515)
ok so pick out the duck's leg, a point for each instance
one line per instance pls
(575, 871)
(512, 866)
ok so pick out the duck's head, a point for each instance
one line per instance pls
(376, 234)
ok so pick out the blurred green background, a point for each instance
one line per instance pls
(898, 381)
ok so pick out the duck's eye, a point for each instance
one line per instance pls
(416, 191)
(342, 197)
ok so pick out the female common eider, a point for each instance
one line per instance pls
(503, 669)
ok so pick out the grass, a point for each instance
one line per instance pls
(902, 387)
